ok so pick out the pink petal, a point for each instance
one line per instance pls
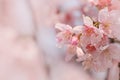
(71, 52)
(68, 56)
(60, 39)
(114, 72)
(74, 40)
(114, 50)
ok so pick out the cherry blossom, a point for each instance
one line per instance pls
(95, 43)
(93, 40)
(68, 34)
(109, 22)
(70, 37)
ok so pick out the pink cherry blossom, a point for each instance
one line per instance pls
(104, 60)
(65, 35)
(110, 22)
(92, 39)
(108, 56)
(95, 44)
(68, 34)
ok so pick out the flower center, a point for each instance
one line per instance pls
(96, 24)
(90, 48)
(89, 30)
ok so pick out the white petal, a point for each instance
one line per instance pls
(87, 21)
(62, 27)
(78, 29)
(79, 52)
(104, 47)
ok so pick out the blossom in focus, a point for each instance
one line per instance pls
(93, 40)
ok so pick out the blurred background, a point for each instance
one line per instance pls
(27, 40)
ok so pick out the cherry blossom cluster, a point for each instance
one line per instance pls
(95, 43)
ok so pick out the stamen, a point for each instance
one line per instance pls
(96, 24)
